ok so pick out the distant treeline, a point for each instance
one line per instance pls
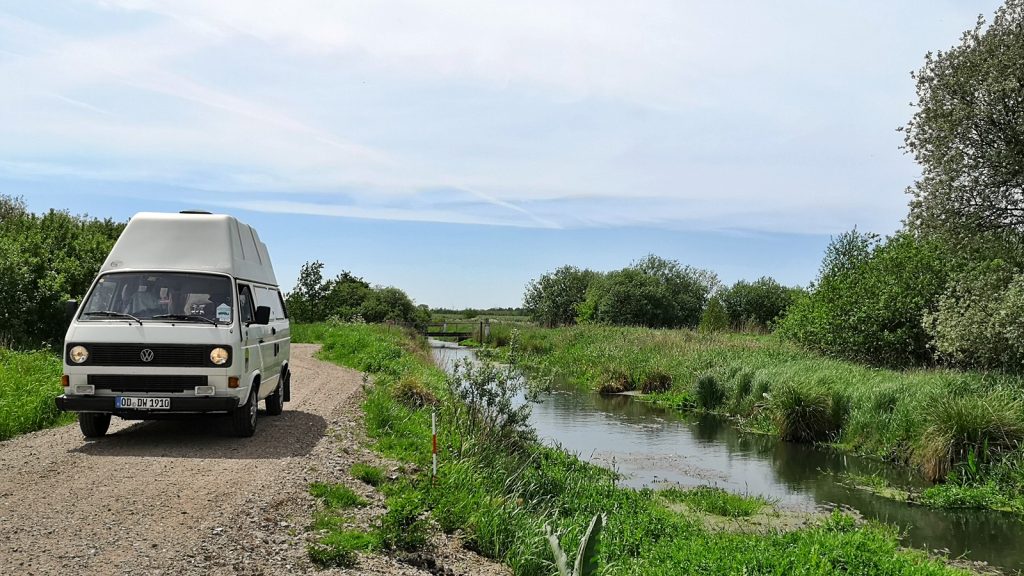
(947, 289)
(45, 259)
(349, 298)
(658, 293)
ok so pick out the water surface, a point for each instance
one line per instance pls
(652, 446)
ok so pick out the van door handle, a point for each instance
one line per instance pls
(273, 330)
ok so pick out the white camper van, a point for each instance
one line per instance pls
(185, 317)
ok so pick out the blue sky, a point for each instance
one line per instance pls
(459, 149)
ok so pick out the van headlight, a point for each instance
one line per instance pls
(218, 356)
(78, 354)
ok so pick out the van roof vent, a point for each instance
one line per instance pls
(194, 212)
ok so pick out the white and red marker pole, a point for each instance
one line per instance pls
(433, 454)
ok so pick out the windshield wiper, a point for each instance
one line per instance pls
(112, 314)
(192, 317)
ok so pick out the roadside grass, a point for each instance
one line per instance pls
(499, 494)
(336, 496)
(371, 475)
(934, 420)
(29, 381)
(716, 501)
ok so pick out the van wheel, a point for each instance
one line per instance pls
(243, 418)
(275, 402)
(93, 425)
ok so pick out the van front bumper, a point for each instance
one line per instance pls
(179, 405)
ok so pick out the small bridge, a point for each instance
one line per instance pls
(458, 330)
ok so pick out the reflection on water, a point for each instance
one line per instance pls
(649, 445)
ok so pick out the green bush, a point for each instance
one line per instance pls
(652, 292)
(757, 304)
(979, 322)
(870, 300)
(714, 318)
(44, 261)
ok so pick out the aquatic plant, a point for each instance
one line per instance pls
(709, 392)
(962, 427)
(802, 414)
(586, 554)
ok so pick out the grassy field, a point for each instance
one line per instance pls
(499, 487)
(965, 428)
(29, 381)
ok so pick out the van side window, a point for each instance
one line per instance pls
(245, 303)
(284, 307)
(271, 299)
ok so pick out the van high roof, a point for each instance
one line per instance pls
(191, 241)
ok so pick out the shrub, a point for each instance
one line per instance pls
(979, 322)
(870, 300)
(652, 292)
(709, 392)
(715, 318)
(553, 299)
(757, 304)
(959, 428)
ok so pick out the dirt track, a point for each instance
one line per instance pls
(183, 497)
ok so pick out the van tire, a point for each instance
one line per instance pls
(93, 424)
(275, 402)
(243, 418)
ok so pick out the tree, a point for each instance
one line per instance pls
(44, 261)
(968, 133)
(870, 300)
(628, 297)
(979, 322)
(757, 304)
(307, 302)
(687, 288)
(552, 299)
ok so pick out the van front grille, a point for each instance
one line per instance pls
(163, 355)
(137, 383)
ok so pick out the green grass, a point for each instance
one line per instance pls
(500, 499)
(29, 381)
(336, 496)
(372, 475)
(935, 420)
(716, 501)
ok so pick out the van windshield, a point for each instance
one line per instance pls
(161, 296)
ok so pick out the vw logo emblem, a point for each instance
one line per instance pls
(146, 355)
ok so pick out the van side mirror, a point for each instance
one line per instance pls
(262, 315)
(70, 307)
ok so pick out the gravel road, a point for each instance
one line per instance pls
(183, 497)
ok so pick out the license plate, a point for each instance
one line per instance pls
(137, 403)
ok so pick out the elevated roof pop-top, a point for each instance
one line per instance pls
(191, 241)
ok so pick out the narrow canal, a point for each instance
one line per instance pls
(651, 446)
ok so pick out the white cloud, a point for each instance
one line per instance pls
(747, 114)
